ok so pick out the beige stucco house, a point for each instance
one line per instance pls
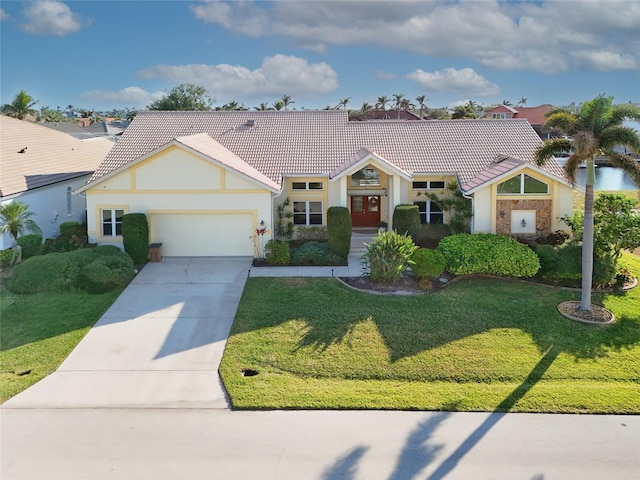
(207, 180)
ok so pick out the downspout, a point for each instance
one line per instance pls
(273, 197)
(473, 209)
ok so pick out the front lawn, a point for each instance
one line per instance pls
(478, 345)
(39, 330)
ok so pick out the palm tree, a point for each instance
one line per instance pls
(16, 219)
(278, 105)
(522, 102)
(286, 101)
(381, 102)
(365, 107)
(507, 103)
(422, 101)
(342, 103)
(21, 106)
(595, 129)
(263, 107)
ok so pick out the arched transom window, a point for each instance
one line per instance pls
(523, 184)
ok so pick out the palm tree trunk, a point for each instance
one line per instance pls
(587, 238)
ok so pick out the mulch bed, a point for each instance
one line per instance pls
(408, 284)
(597, 314)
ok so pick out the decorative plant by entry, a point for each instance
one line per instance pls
(387, 256)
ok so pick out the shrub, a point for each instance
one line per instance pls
(565, 264)
(319, 234)
(135, 236)
(485, 253)
(434, 232)
(388, 255)
(314, 253)
(5, 258)
(339, 230)
(30, 244)
(427, 263)
(277, 253)
(71, 229)
(58, 272)
(406, 221)
(106, 273)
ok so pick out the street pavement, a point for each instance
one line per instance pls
(140, 398)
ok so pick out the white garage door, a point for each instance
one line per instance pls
(203, 235)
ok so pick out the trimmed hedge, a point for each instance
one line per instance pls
(406, 221)
(339, 230)
(70, 229)
(277, 253)
(428, 263)
(63, 272)
(5, 257)
(486, 253)
(106, 273)
(30, 244)
(565, 264)
(135, 236)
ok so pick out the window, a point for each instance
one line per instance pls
(428, 185)
(112, 223)
(307, 213)
(499, 115)
(69, 206)
(523, 184)
(367, 177)
(430, 212)
(307, 186)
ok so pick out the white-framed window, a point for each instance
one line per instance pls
(307, 186)
(500, 115)
(367, 177)
(523, 184)
(307, 213)
(111, 222)
(430, 212)
(69, 204)
(429, 185)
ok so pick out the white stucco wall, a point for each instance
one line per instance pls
(483, 211)
(50, 207)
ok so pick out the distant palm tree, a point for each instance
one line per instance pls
(278, 105)
(21, 106)
(422, 101)
(286, 101)
(342, 103)
(507, 103)
(263, 107)
(365, 107)
(16, 219)
(522, 102)
(595, 129)
(381, 102)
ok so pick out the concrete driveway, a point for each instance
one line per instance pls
(159, 345)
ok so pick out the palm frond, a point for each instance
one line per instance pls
(571, 167)
(552, 148)
(620, 136)
(595, 115)
(624, 112)
(566, 122)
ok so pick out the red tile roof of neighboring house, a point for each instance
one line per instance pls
(535, 115)
(278, 143)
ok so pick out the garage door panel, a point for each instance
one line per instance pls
(203, 235)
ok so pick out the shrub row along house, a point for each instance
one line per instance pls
(207, 180)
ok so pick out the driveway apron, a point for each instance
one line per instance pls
(158, 346)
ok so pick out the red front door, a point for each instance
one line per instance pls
(365, 210)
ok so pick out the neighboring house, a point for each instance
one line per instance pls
(534, 115)
(206, 180)
(371, 115)
(42, 167)
(108, 129)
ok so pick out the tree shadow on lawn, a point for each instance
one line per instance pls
(413, 324)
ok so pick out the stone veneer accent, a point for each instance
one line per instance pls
(543, 215)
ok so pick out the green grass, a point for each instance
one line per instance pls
(478, 345)
(38, 331)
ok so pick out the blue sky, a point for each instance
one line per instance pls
(124, 54)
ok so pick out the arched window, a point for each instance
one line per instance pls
(367, 177)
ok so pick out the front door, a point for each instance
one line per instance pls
(365, 210)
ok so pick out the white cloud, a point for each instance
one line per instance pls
(46, 17)
(604, 60)
(132, 96)
(278, 75)
(548, 36)
(3, 15)
(383, 75)
(465, 81)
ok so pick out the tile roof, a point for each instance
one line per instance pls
(535, 115)
(278, 143)
(49, 156)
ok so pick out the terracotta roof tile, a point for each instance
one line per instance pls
(319, 142)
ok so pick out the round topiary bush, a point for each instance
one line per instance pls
(427, 263)
(30, 244)
(486, 253)
(277, 253)
(106, 273)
